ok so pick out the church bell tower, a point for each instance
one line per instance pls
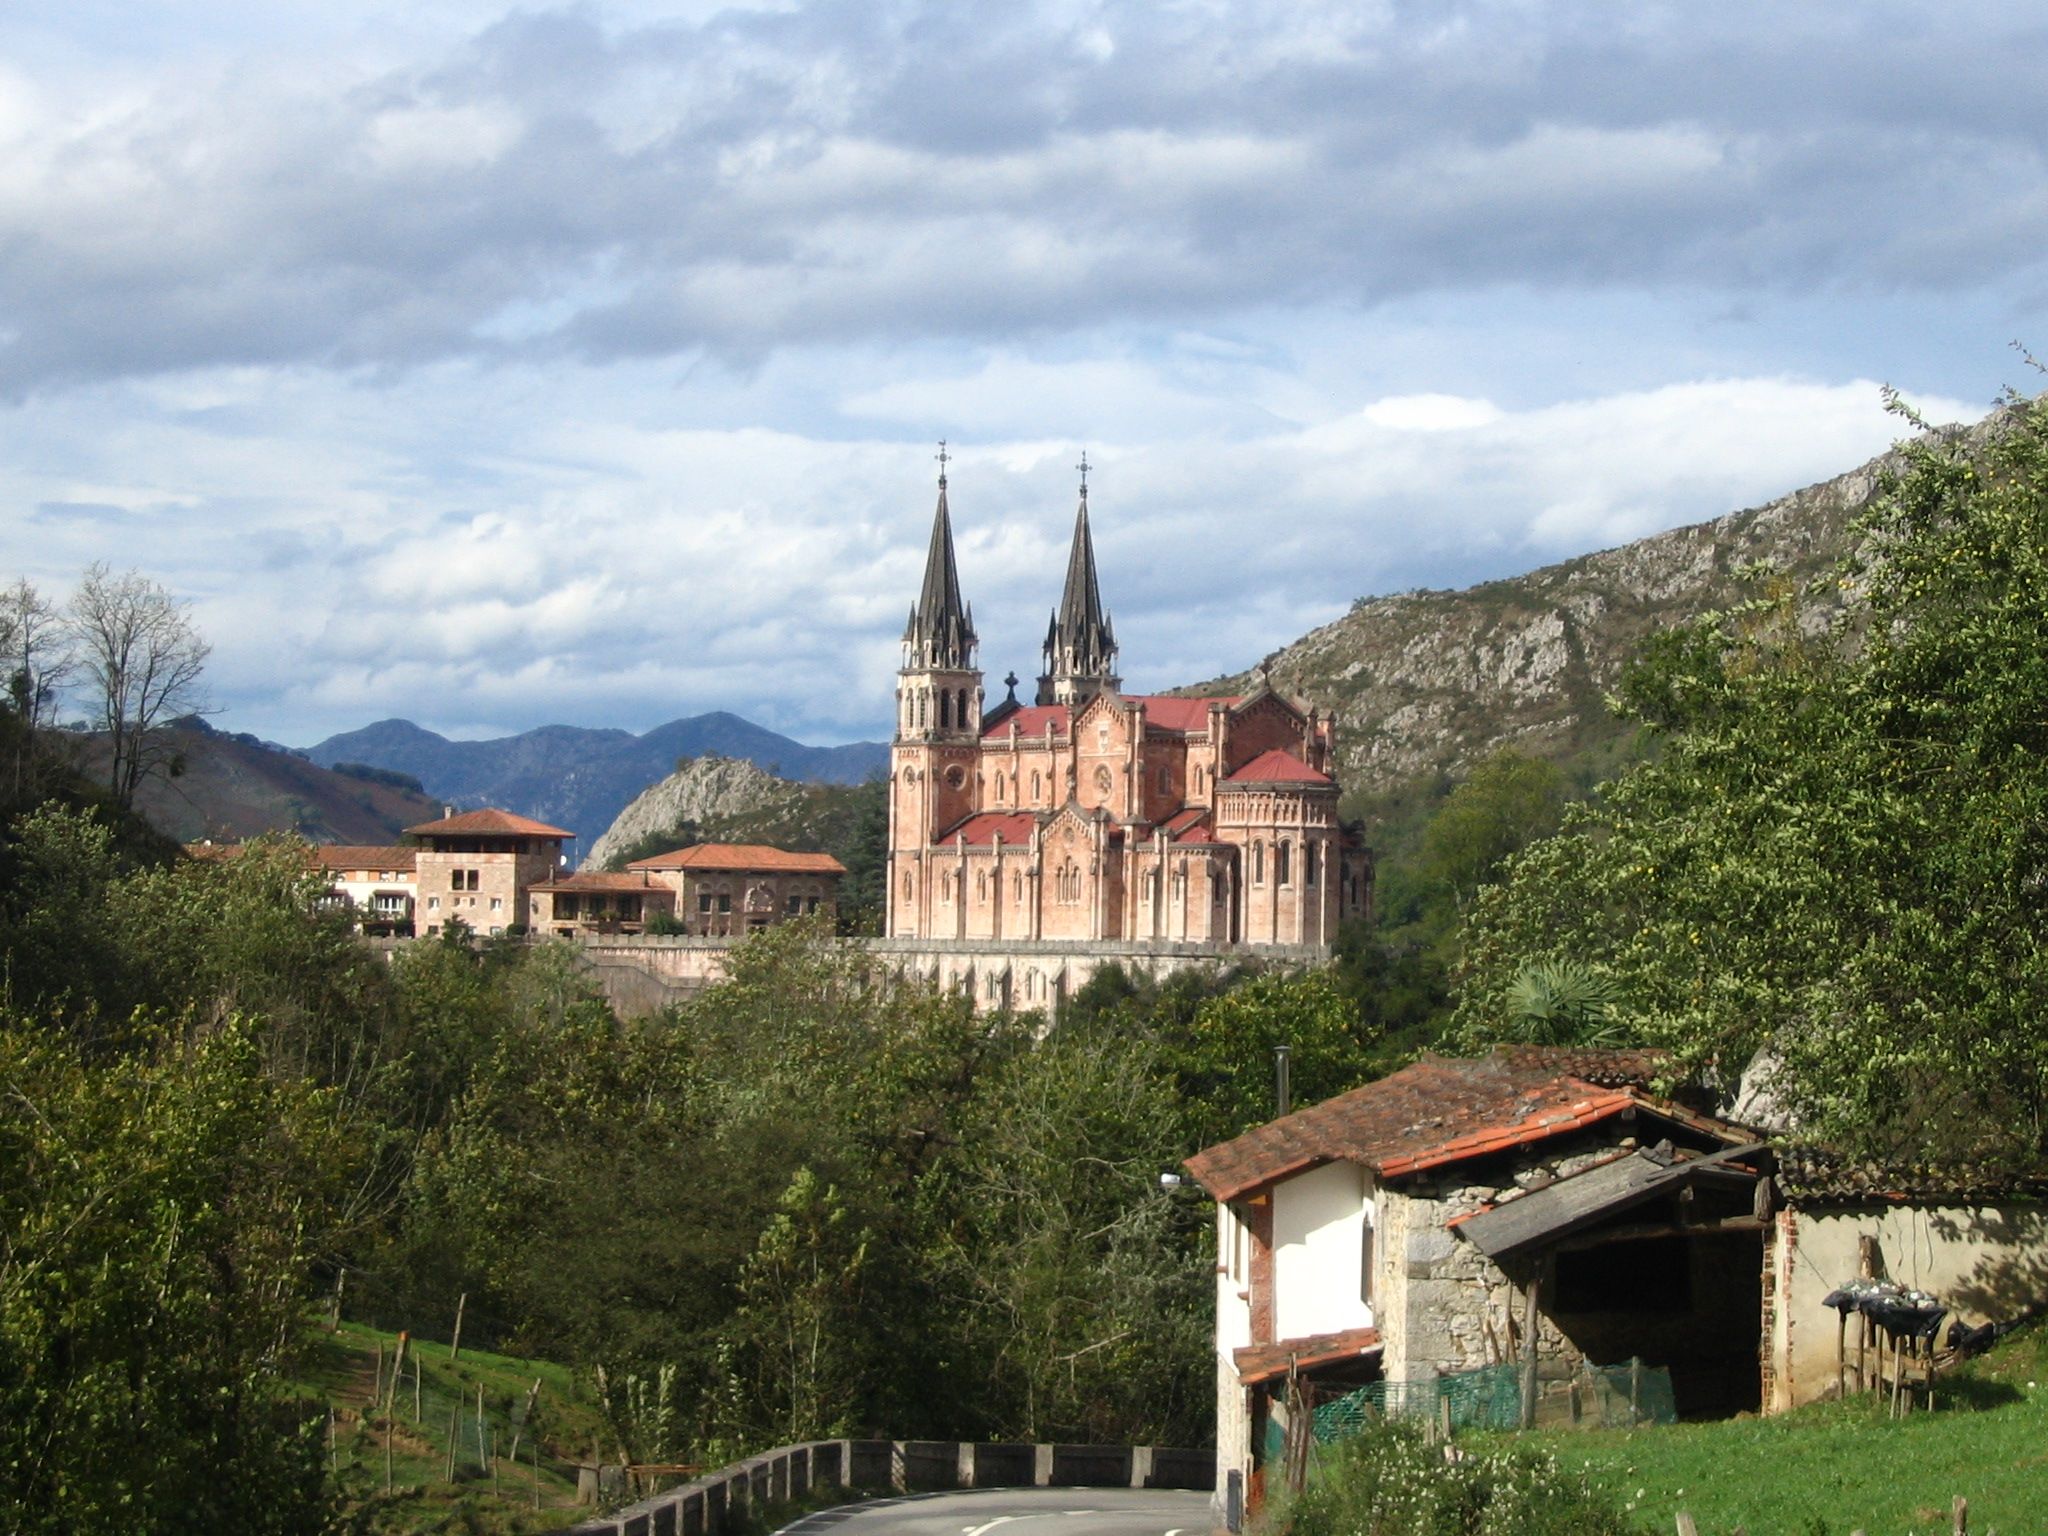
(933, 760)
(1080, 644)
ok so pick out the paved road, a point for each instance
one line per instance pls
(1017, 1512)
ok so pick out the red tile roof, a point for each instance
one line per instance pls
(1189, 825)
(1277, 767)
(743, 856)
(1439, 1110)
(1031, 720)
(1163, 713)
(491, 822)
(363, 856)
(603, 880)
(1013, 826)
(1265, 1362)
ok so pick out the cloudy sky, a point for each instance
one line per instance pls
(494, 367)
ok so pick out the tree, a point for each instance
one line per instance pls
(1509, 801)
(142, 657)
(35, 656)
(1839, 859)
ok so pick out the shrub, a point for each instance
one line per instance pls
(1388, 1481)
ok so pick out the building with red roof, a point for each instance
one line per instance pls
(724, 890)
(480, 867)
(1090, 816)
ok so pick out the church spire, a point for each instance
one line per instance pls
(941, 629)
(1080, 643)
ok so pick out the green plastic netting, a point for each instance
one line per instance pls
(1597, 1397)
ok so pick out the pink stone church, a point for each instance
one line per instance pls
(1091, 815)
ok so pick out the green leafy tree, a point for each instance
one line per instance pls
(1509, 801)
(1839, 858)
(160, 1214)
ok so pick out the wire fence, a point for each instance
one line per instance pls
(1592, 1397)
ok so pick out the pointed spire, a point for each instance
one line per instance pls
(1080, 645)
(941, 628)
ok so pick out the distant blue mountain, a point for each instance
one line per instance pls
(581, 779)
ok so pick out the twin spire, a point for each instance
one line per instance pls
(1080, 643)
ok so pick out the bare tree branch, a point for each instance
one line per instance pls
(142, 658)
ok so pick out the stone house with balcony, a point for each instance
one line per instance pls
(377, 883)
(599, 902)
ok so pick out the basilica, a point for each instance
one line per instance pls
(1091, 816)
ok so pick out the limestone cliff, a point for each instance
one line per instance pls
(708, 791)
(1425, 683)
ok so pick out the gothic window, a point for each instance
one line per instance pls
(945, 710)
(999, 789)
(960, 708)
(981, 885)
(1308, 863)
(906, 885)
(1036, 787)
(1258, 863)
(920, 711)
(1282, 852)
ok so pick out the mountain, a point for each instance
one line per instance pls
(1424, 684)
(702, 791)
(581, 778)
(233, 787)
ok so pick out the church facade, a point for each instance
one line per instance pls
(1091, 816)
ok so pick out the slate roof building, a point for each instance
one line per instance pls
(1089, 815)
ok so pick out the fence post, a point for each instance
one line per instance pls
(1529, 1349)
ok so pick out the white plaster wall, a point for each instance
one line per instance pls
(1233, 1332)
(1984, 1263)
(1318, 1230)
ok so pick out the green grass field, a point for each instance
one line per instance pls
(1837, 1467)
(487, 1492)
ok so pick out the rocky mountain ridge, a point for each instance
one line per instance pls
(1426, 683)
(704, 790)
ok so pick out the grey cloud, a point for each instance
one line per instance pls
(857, 172)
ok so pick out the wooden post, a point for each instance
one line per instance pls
(494, 1462)
(1960, 1511)
(1635, 1390)
(416, 1388)
(1529, 1349)
(536, 1471)
(532, 1393)
(334, 1320)
(1867, 1266)
(454, 1436)
(455, 1339)
(397, 1372)
(480, 1464)
(1842, 1352)
(377, 1385)
(387, 1452)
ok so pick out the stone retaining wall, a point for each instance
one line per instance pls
(710, 1505)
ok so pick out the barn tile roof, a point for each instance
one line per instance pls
(490, 822)
(1437, 1111)
(1265, 1362)
(1811, 1174)
(743, 856)
(1277, 767)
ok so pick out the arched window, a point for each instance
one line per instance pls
(1282, 855)
(960, 708)
(1308, 863)
(999, 789)
(1258, 863)
(906, 885)
(945, 710)
(920, 710)
(1037, 787)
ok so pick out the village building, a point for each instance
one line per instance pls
(1090, 816)
(377, 883)
(480, 867)
(598, 902)
(728, 890)
(1544, 1211)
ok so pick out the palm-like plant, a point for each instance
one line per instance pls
(1562, 1002)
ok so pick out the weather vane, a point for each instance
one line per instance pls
(1083, 467)
(942, 457)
